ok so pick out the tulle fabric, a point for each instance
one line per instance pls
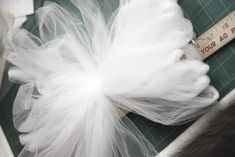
(86, 68)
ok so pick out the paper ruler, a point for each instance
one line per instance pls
(216, 37)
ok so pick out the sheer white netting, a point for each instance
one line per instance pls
(83, 71)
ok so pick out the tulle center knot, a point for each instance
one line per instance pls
(88, 83)
(92, 84)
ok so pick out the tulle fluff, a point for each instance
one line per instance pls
(85, 69)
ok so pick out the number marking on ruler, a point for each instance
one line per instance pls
(216, 37)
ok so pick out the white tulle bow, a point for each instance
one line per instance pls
(86, 68)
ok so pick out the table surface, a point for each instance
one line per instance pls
(203, 14)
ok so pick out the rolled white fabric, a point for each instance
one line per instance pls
(6, 22)
(82, 71)
(215, 125)
(4, 26)
(5, 150)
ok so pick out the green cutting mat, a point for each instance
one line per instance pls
(203, 14)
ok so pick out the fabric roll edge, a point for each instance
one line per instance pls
(199, 128)
(6, 20)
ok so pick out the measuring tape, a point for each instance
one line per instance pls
(216, 37)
